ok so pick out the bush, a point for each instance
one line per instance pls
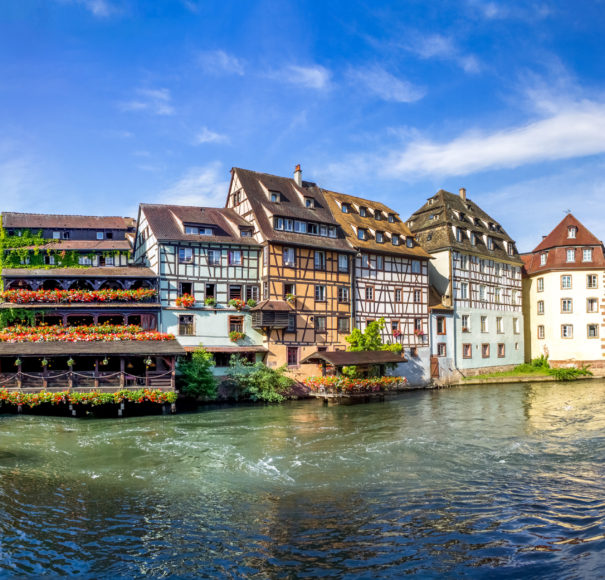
(258, 382)
(196, 378)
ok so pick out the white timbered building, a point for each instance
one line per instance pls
(390, 277)
(207, 261)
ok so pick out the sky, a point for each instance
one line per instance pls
(105, 104)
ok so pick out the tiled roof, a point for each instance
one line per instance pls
(98, 245)
(42, 220)
(352, 220)
(93, 272)
(167, 223)
(273, 306)
(436, 301)
(555, 245)
(97, 348)
(435, 221)
(292, 205)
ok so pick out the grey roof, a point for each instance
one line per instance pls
(345, 357)
(99, 348)
(292, 205)
(167, 223)
(46, 221)
(435, 221)
(100, 272)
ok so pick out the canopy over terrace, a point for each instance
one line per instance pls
(342, 358)
(101, 365)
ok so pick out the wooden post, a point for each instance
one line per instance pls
(19, 378)
(173, 373)
(44, 378)
(96, 373)
(122, 368)
(323, 368)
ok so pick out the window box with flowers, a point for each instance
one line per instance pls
(185, 301)
(237, 303)
(210, 302)
(236, 336)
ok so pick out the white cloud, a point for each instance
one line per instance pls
(203, 186)
(219, 62)
(386, 86)
(207, 136)
(444, 48)
(312, 77)
(574, 131)
(154, 101)
(98, 8)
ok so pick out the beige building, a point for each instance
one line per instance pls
(563, 297)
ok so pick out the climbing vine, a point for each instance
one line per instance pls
(23, 316)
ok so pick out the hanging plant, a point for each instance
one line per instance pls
(44, 362)
(71, 362)
(148, 362)
(105, 361)
(18, 362)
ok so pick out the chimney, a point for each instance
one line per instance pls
(463, 193)
(298, 176)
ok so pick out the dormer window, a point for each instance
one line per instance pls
(395, 239)
(275, 196)
(66, 235)
(473, 239)
(458, 234)
(509, 249)
(362, 234)
(461, 216)
(309, 202)
(409, 242)
(477, 222)
(332, 231)
(378, 215)
(100, 235)
(572, 231)
(345, 208)
(392, 218)
(56, 235)
(543, 259)
(245, 232)
(490, 243)
(380, 237)
(363, 211)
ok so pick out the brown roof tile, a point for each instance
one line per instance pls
(98, 348)
(93, 272)
(40, 220)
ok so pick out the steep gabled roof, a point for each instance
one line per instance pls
(434, 224)
(256, 187)
(560, 235)
(35, 221)
(167, 222)
(352, 220)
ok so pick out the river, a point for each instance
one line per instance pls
(504, 481)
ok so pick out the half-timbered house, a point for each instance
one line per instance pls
(477, 267)
(390, 278)
(563, 297)
(306, 267)
(207, 261)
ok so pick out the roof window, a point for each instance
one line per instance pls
(275, 196)
(363, 211)
(572, 231)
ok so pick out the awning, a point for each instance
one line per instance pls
(340, 358)
(93, 348)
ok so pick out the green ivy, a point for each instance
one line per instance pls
(27, 317)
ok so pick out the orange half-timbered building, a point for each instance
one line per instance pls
(306, 266)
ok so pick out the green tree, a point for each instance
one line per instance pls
(370, 338)
(196, 376)
(258, 382)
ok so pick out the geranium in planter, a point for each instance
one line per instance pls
(210, 301)
(397, 333)
(236, 336)
(186, 301)
(237, 303)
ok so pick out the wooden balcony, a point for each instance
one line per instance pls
(270, 314)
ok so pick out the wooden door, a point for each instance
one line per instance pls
(434, 367)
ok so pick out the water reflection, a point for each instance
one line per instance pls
(504, 481)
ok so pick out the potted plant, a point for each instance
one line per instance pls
(290, 298)
(251, 303)
(186, 301)
(44, 362)
(236, 336)
(18, 362)
(105, 362)
(237, 303)
(210, 301)
(148, 362)
(70, 362)
(418, 332)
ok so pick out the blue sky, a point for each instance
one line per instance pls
(108, 103)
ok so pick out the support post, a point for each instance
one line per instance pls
(44, 378)
(96, 373)
(122, 369)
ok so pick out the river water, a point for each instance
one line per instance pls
(501, 481)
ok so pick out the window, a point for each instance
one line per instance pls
(345, 208)
(343, 324)
(244, 232)
(501, 350)
(343, 263)
(440, 325)
(417, 325)
(300, 227)
(592, 331)
(516, 326)
(319, 260)
(498, 295)
(369, 292)
(82, 260)
(567, 331)
(571, 255)
(361, 234)
(380, 237)
(320, 324)
(323, 230)
(288, 225)
(291, 322)
(540, 331)
(236, 324)
(312, 229)
(365, 261)
(441, 349)
(56, 235)
(185, 255)
(210, 290)
(465, 319)
(467, 350)
(363, 211)
(592, 305)
(235, 257)
(540, 306)
(566, 282)
(235, 292)
(566, 305)
(417, 296)
(289, 259)
(409, 242)
(109, 260)
(482, 292)
(415, 266)
(458, 234)
(292, 352)
(380, 262)
(473, 239)
(543, 259)
(499, 325)
(391, 218)
(66, 235)
(485, 350)
(275, 196)
(463, 262)
(100, 235)
(490, 243)
(266, 290)
(214, 257)
(572, 231)
(289, 289)
(587, 255)
(309, 202)
(516, 297)
(331, 231)
(49, 260)
(398, 295)
(320, 293)
(278, 223)
(186, 325)
(252, 292)
(189, 230)
(377, 214)
(464, 291)
(484, 324)
(343, 294)
(395, 239)
(540, 284)
(591, 281)
(185, 288)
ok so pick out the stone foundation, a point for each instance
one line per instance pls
(596, 367)
(486, 370)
